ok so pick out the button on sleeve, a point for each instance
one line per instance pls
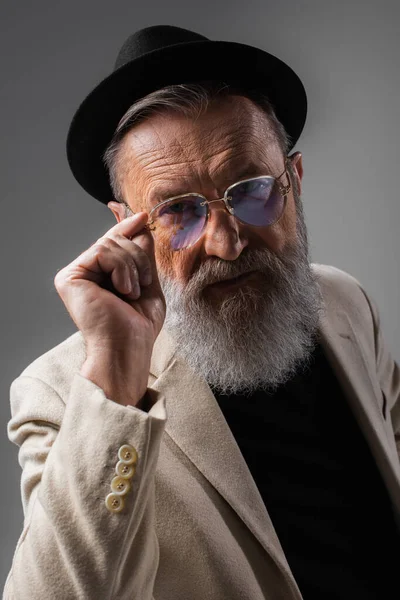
(120, 486)
(114, 503)
(128, 454)
(124, 470)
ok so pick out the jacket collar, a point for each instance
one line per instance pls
(197, 425)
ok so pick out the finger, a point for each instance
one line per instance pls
(116, 263)
(144, 239)
(130, 256)
(121, 278)
(138, 255)
(130, 226)
(125, 276)
(135, 228)
(105, 257)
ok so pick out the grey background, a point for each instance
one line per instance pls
(52, 54)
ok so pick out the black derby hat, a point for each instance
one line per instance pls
(164, 55)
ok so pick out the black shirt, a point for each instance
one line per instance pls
(320, 485)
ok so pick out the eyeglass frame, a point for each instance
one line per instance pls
(283, 190)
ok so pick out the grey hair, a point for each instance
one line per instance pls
(191, 100)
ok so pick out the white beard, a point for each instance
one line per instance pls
(256, 336)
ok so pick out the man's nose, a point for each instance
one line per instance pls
(224, 235)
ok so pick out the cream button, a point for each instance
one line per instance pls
(125, 471)
(114, 503)
(128, 454)
(120, 486)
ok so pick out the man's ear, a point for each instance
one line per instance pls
(118, 210)
(296, 160)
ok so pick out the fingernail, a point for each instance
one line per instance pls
(147, 278)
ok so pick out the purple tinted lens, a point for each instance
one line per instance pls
(181, 221)
(257, 202)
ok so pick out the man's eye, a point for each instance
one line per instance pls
(177, 207)
(251, 186)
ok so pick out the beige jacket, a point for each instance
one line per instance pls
(194, 526)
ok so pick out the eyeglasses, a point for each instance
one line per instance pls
(181, 220)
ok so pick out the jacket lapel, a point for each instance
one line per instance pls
(344, 351)
(197, 426)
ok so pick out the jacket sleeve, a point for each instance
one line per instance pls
(73, 545)
(388, 372)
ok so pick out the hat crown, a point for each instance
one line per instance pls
(153, 38)
(162, 55)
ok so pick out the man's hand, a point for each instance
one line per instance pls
(113, 295)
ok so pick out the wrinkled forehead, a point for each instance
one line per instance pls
(229, 121)
(214, 145)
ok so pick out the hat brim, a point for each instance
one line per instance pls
(96, 119)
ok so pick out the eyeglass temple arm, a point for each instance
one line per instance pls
(285, 189)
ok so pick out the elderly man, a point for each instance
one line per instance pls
(223, 424)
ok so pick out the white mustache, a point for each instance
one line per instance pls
(261, 260)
